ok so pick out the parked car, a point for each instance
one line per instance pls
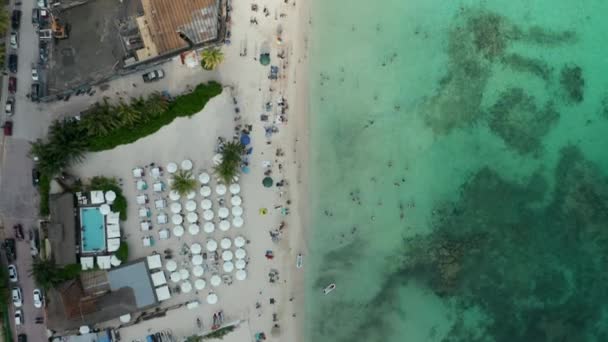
(35, 92)
(12, 273)
(13, 62)
(34, 73)
(37, 298)
(14, 40)
(153, 75)
(35, 16)
(17, 297)
(12, 84)
(18, 317)
(22, 338)
(43, 3)
(16, 19)
(39, 320)
(8, 128)
(9, 107)
(9, 247)
(35, 176)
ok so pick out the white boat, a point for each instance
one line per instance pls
(329, 288)
(299, 261)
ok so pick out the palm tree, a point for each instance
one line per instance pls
(183, 182)
(228, 169)
(50, 158)
(211, 58)
(46, 274)
(129, 115)
(68, 137)
(101, 119)
(156, 104)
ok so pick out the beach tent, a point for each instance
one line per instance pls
(144, 212)
(162, 293)
(158, 187)
(240, 253)
(159, 204)
(227, 255)
(197, 259)
(206, 204)
(113, 231)
(114, 261)
(226, 243)
(198, 271)
(161, 218)
(146, 241)
(113, 244)
(193, 229)
(267, 182)
(110, 196)
(171, 167)
(237, 211)
(178, 231)
(236, 200)
(186, 165)
(174, 196)
(208, 215)
(87, 263)
(223, 212)
(241, 275)
(190, 205)
(175, 277)
(215, 280)
(240, 264)
(235, 188)
(209, 227)
(97, 197)
(158, 278)
(154, 261)
(199, 284)
(196, 248)
(237, 221)
(176, 207)
(103, 262)
(171, 266)
(239, 241)
(205, 191)
(220, 189)
(224, 225)
(141, 185)
(163, 234)
(228, 266)
(204, 178)
(211, 298)
(144, 225)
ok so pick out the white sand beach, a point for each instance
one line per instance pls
(195, 138)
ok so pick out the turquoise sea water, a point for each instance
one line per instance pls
(459, 171)
(93, 230)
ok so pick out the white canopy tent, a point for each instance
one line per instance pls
(235, 188)
(224, 225)
(161, 218)
(158, 278)
(113, 244)
(103, 262)
(160, 204)
(155, 171)
(209, 227)
(178, 231)
(154, 261)
(163, 293)
(163, 234)
(144, 225)
(158, 187)
(144, 212)
(141, 199)
(141, 185)
(138, 172)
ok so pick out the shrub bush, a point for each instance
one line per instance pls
(123, 252)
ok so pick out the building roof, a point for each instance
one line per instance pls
(164, 20)
(61, 230)
(136, 277)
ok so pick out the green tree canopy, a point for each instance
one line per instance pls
(183, 182)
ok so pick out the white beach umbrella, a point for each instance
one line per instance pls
(226, 243)
(212, 298)
(215, 280)
(178, 231)
(224, 225)
(125, 318)
(240, 264)
(236, 200)
(241, 275)
(110, 196)
(240, 253)
(239, 241)
(206, 204)
(205, 191)
(211, 245)
(84, 329)
(105, 209)
(204, 178)
(197, 259)
(176, 207)
(235, 188)
(184, 274)
(193, 229)
(171, 167)
(237, 211)
(199, 284)
(220, 189)
(191, 205)
(171, 266)
(227, 255)
(223, 212)
(209, 227)
(196, 248)
(192, 217)
(186, 287)
(174, 196)
(186, 165)
(208, 215)
(217, 159)
(175, 277)
(191, 195)
(198, 270)
(177, 219)
(237, 221)
(228, 266)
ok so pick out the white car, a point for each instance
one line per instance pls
(14, 40)
(18, 317)
(12, 273)
(37, 298)
(17, 298)
(34, 74)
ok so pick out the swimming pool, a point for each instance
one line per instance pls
(93, 230)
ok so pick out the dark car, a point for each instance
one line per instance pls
(153, 75)
(18, 228)
(35, 176)
(9, 247)
(35, 93)
(16, 19)
(22, 338)
(35, 16)
(13, 61)
(12, 84)
(8, 128)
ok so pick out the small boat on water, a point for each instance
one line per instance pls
(299, 261)
(329, 288)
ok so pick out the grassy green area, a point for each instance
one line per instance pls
(219, 333)
(4, 306)
(44, 188)
(183, 105)
(106, 184)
